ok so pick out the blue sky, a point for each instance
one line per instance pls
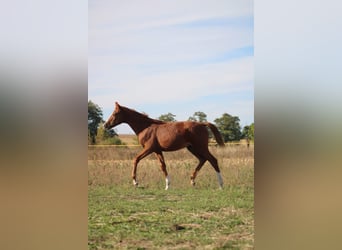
(172, 56)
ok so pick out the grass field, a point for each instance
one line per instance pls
(184, 217)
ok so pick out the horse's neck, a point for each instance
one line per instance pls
(139, 122)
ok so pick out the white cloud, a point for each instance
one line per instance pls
(122, 16)
(153, 52)
(181, 84)
(133, 34)
(167, 46)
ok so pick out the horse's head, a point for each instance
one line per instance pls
(116, 118)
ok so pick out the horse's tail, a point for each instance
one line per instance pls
(216, 133)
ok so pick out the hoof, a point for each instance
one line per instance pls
(193, 183)
(135, 183)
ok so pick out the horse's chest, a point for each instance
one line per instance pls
(146, 136)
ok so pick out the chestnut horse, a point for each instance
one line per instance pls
(157, 136)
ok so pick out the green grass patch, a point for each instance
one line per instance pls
(184, 217)
(138, 218)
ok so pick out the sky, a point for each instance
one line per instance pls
(172, 56)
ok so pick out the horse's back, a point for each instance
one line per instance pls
(176, 135)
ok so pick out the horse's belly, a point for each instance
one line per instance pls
(173, 144)
(171, 136)
(173, 147)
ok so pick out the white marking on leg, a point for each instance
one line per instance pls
(167, 181)
(219, 178)
(135, 183)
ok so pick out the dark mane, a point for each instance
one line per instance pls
(142, 115)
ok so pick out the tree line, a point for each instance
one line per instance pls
(228, 125)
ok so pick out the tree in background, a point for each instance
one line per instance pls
(94, 119)
(229, 127)
(198, 117)
(251, 132)
(169, 117)
(248, 132)
(107, 137)
(245, 131)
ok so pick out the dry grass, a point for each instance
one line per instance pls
(113, 166)
(123, 217)
(129, 139)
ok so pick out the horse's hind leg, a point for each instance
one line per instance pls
(213, 162)
(197, 169)
(163, 168)
(199, 166)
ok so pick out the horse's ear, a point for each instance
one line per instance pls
(117, 106)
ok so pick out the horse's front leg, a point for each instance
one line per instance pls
(163, 168)
(145, 152)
